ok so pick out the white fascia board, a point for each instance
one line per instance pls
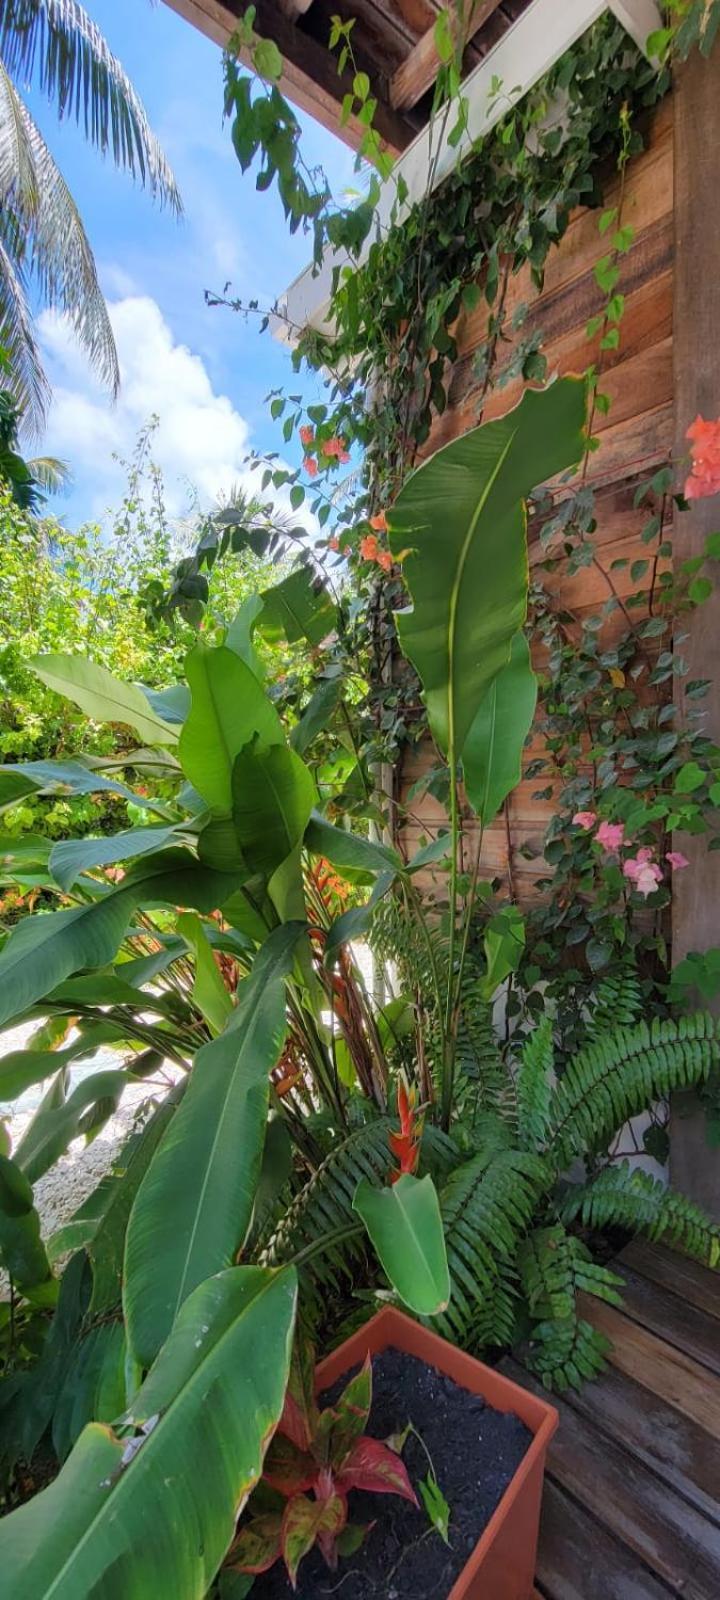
(523, 56)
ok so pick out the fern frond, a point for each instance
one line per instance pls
(554, 1266)
(487, 1206)
(628, 1197)
(534, 1084)
(616, 1002)
(617, 1076)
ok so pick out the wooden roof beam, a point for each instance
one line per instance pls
(418, 72)
(310, 77)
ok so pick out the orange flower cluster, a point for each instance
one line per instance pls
(370, 551)
(332, 449)
(704, 477)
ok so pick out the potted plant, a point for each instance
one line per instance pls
(474, 1445)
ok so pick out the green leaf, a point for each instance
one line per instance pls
(56, 777)
(492, 757)
(57, 1121)
(70, 857)
(103, 697)
(267, 60)
(462, 516)
(349, 850)
(239, 636)
(20, 1069)
(195, 1203)
(22, 1252)
(228, 709)
(297, 609)
(273, 794)
(46, 948)
(504, 947)
(213, 1399)
(209, 992)
(405, 1228)
(355, 923)
(689, 778)
(317, 715)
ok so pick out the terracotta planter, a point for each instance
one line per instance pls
(502, 1565)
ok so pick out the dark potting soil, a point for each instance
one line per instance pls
(475, 1451)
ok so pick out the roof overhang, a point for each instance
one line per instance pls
(523, 56)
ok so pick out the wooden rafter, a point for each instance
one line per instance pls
(418, 73)
(310, 76)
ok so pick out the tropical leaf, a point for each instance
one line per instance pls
(57, 777)
(405, 1227)
(58, 1121)
(297, 608)
(239, 636)
(349, 850)
(103, 697)
(318, 714)
(492, 754)
(462, 517)
(44, 949)
(273, 794)
(70, 857)
(22, 1252)
(229, 708)
(209, 992)
(213, 1398)
(195, 1203)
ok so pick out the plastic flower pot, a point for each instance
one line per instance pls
(502, 1565)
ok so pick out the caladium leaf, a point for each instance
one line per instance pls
(372, 1465)
(342, 1423)
(307, 1521)
(257, 1546)
(288, 1469)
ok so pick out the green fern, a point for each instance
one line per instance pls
(617, 1076)
(627, 1197)
(534, 1086)
(553, 1267)
(487, 1206)
(616, 1002)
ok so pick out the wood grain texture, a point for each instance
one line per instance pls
(660, 1367)
(417, 73)
(694, 1166)
(579, 1560)
(678, 1544)
(673, 1319)
(687, 1279)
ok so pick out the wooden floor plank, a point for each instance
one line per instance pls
(679, 1545)
(672, 1318)
(697, 1285)
(579, 1560)
(682, 1454)
(690, 1388)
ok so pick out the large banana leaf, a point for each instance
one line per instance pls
(56, 777)
(273, 796)
(44, 949)
(70, 857)
(195, 1203)
(22, 1252)
(152, 1513)
(462, 516)
(103, 697)
(297, 608)
(492, 757)
(229, 707)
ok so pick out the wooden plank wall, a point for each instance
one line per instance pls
(636, 437)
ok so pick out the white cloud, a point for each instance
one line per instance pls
(201, 441)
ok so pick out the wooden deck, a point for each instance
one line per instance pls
(632, 1498)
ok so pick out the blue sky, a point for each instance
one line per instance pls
(205, 371)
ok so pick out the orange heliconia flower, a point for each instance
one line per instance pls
(379, 523)
(704, 477)
(405, 1145)
(311, 466)
(307, 434)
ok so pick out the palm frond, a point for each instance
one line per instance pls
(17, 167)
(619, 1074)
(52, 474)
(51, 242)
(17, 342)
(626, 1197)
(57, 43)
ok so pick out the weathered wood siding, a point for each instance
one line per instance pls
(636, 437)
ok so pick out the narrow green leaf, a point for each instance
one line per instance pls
(209, 992)
(349, 850)
(70, 857)
(492, 756)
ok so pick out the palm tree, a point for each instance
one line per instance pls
(42, 238)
